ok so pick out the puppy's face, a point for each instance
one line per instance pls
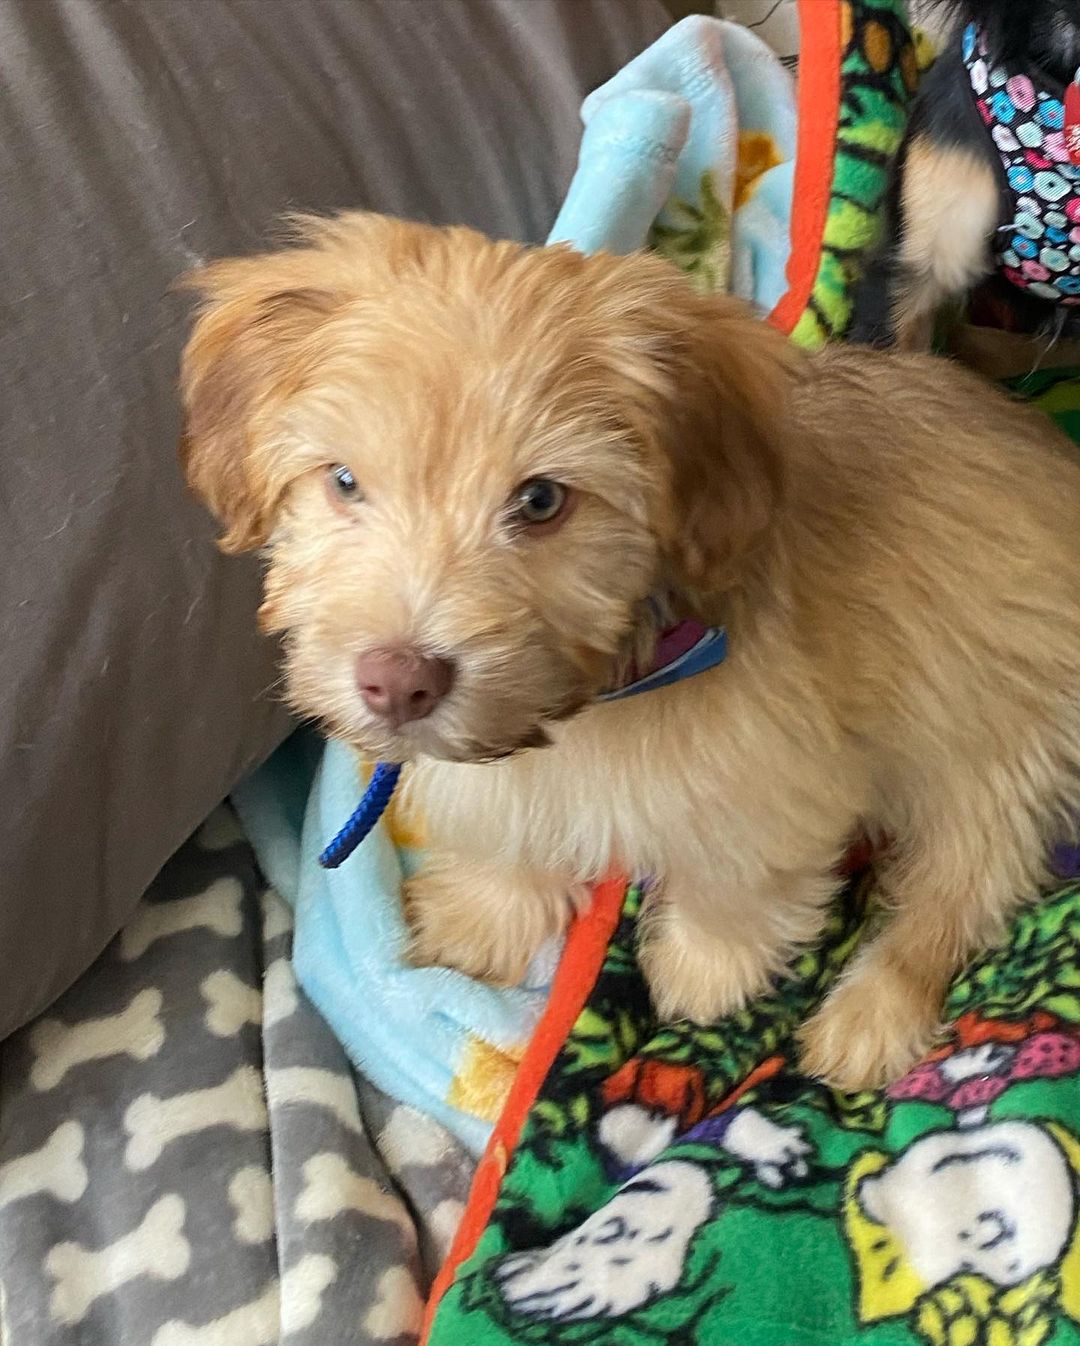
(470, 464)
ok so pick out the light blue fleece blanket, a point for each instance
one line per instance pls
(688, 149)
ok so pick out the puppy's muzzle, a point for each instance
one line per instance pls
(399, 684)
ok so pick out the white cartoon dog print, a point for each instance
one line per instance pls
(626, 1255)
(775, 1154)
(996, 1201)
(634, 1135)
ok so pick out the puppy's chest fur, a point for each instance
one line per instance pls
(649, 786)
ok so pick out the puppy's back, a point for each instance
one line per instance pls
(933, 540)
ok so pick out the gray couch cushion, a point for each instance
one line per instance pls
(136, 138)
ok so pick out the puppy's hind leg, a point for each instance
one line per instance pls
(954, 882)
(950, 206)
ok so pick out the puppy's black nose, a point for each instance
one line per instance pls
(399, 684)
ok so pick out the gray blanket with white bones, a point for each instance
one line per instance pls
(186, 1158)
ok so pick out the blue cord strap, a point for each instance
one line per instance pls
(371, 808)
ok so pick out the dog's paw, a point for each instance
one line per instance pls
(450, 930)
(486, 921)
(696, 976)
(870, 1031)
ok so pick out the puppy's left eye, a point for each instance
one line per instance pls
(539, 500)
(342, 486)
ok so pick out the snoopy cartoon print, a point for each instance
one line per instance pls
(988, 1213)
(624, 1256)
(997, 1202)
(632, 1136)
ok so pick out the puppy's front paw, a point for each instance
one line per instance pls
(449, 930)
(694, 975)
(484, 920)
(870, 1031)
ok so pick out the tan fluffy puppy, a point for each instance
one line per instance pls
(473, 463)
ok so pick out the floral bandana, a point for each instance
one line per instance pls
(1039, 249)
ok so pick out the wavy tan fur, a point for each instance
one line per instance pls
(893, 545)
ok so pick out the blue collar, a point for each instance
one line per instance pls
(683, 652)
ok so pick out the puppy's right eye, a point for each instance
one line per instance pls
(341, 484)
(540, 503)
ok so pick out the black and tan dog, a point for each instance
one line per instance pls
(988, 184)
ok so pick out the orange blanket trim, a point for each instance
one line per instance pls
(579, 967)
(820, 54)
(587, 942)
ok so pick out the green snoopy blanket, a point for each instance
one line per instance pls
(686, 1185)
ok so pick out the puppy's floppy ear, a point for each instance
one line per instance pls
(253, 344)
(241, 360)
(731, 379)
(719, 381)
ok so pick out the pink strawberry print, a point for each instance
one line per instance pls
(1046, 1056)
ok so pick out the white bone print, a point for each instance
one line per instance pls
(153, 1122)
(410, 1138)
(294, 1086)
(58, 1047)
(231, 1003)
(251, 1195)
(398, 1309)
(220, 831)
(261, 1322)
(217, 910)
(444, 1222)
(55, 1169)
(156, 1248)
(277, 915)
(280, 997)
(331, 1187)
